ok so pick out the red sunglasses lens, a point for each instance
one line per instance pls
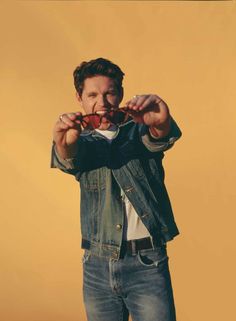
(117, 117)
(91, 121)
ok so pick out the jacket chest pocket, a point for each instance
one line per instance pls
(156, 170)
(93, 180)
(135, 168)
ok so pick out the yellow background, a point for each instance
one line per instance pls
(183, 51)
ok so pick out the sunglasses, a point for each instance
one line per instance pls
(114, 116)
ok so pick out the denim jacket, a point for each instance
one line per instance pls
(131, 162)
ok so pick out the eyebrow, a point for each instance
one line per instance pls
(109, 89)
(91, 92)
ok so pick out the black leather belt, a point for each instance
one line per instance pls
(132, 247)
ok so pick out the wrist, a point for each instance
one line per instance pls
(153, 131)
(66, 152)
(160, 130)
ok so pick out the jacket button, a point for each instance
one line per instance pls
(118, 227)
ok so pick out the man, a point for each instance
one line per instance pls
(126, 216)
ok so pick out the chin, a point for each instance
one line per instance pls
(104, 126)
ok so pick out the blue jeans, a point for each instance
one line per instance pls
(139, 285)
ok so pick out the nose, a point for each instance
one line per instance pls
(102, 101)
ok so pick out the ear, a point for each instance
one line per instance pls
(78, 97)
(121, 94)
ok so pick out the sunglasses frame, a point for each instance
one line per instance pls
(124, 110)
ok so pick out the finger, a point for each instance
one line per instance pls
(137, 117)
(149, 102)
(71, 116)
(135, 102)
(152, 101)
(61, 126)
(78, 113)
(77, 125)
(68, 119)
(132, 100)
(140, 101)
(78, 118)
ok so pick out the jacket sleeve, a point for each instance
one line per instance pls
(160, 144)
(69, 165)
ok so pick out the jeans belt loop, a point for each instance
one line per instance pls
(133, 247)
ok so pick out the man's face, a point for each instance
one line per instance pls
(100, 95)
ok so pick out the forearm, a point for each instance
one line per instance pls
(67, 151)
(161, 143)
(68, 165)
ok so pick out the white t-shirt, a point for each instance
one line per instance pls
(133, 225)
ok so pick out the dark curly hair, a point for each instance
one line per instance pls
(99, 66)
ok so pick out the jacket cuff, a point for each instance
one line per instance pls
(61, 163)
(155, 144)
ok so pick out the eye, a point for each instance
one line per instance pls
(112, 93)
(92, 95)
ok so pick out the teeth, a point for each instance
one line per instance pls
(101, 112)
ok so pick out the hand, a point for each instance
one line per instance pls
(148, 109)
(66, 133)
(152, 111)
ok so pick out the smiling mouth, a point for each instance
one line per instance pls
(102, 112)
